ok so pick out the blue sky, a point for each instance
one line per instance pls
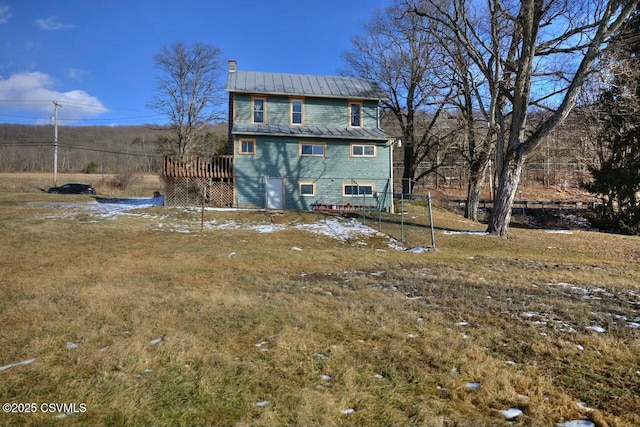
(96, 58)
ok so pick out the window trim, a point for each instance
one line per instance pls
(241, 140)
(291, 102)
(358, 144)
(361, 104)
(358, 184)
(264, 109)
(322, 144)
(311, 183)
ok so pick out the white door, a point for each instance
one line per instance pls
(275, 192)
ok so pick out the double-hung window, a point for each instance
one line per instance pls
(258, 106)
(355, 114)
(363, 150)
(312, 150)
(296, 111)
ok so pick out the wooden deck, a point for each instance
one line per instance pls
(194, 166)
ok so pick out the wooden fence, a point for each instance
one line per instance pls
(528, 204)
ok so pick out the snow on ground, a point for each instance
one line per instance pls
(102, 208)
(337, 228)
(11, 365)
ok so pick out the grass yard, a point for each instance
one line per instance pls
(138, 318)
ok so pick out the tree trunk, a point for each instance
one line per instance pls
(409, 172)
(474, 188)
(509, 180)
(407, 181)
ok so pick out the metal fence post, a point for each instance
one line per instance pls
(433, 236)
(402, 216)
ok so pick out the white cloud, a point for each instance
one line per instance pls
(52, 24)
(5, 14)
(34, 92)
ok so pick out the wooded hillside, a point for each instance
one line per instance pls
(29, 148)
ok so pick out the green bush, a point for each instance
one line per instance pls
(92, 168)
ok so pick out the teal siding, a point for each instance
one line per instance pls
(242, 109)
(317, 111)
(278, 157)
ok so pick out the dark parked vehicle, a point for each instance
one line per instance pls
(72, 188)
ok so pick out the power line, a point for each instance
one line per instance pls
(32, 144)
(103, 150)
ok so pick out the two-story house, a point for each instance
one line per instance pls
(304, 141)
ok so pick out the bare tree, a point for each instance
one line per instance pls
(477, 141)
(534, 55)
(189, 90)
(396, 52)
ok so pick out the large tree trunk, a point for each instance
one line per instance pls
(409, 172)
(474, 188)
(503, 204)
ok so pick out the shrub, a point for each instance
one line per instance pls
(124, 180)
(92, 168)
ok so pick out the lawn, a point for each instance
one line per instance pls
(137, 317)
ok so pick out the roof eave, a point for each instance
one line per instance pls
(308, 95)
(316, 136)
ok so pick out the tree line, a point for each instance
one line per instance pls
(494, 77)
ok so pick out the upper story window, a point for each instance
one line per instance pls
(355, 114)
(363, 150)
(296, 111)
(258, 107)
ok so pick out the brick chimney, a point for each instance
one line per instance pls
(232, 65)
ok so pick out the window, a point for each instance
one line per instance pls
(315, 150)
(307, 189)
(355, 114)
(296, 112)
(247, 146)
(258, 107)
(363, 150)
(357, 190)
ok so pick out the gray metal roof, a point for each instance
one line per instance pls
(311, 132)
(303, 85)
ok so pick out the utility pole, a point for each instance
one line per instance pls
(56, 105)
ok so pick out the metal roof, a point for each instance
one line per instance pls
(303, 85)
(311, 132)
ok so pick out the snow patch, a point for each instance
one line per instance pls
(11, 365)
(511, 413)
(576, 423)
(470, 232)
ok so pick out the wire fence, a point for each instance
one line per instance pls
(406, 218)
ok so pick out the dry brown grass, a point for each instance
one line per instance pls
(105, 184)
(245, 319)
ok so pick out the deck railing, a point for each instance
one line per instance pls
(194, 166)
